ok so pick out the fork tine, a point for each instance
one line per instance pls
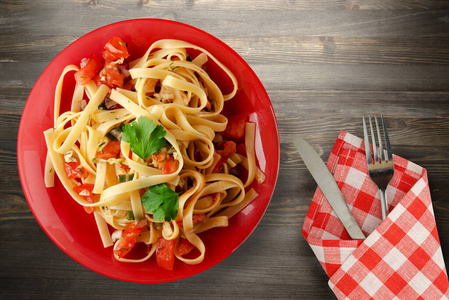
(380, 171)
(369, 159)
(387, 139)
(379, 139)
(373, 140)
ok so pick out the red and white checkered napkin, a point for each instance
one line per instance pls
(401, 257)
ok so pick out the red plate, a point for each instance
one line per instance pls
(67, 224)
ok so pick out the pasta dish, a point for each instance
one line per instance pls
(146, 150)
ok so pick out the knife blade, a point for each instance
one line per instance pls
(328, 186)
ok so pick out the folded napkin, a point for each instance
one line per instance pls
(401, 257)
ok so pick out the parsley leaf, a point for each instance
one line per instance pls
(162, 202)
(144, 137)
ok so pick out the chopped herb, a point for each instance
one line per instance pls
(121, 249)
(110, 136)
(114, 134)
(130, 215)
(125, 177)
(171, 66)
(102, 106)
(162, 202)
(51, 170)
(144, 137)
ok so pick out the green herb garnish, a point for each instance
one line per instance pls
(162, 202)
(144, 137)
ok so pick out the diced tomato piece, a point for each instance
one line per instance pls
(165, 162)
(84, 187)
(97, 80)
(198, 218)
(195, 219)
(115, 49)
(90, 68)
(131, 232)
(185, 247)
(84, 62)
(114, 77)
(90, 197)
(128, 240)
(241, 149)
(236, 126)
(165, 250)
(229, 149)
(208, 106)
(129, 85)
(111, 76)
(89, 187)
(159, 158)
(89, 209)
(75, 170)
(111, 150)
(242, 172)
(170, 165)
(124, 246)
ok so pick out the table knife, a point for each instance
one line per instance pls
(329, 187)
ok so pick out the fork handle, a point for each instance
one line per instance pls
(383, 203)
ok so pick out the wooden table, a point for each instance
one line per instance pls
(323, 63)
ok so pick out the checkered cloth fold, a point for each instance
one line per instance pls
(401, 257)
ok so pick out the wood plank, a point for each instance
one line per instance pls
(223, 23)
(281, 49)
(369, 77)
(236, 5)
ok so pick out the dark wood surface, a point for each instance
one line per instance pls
(323, 64)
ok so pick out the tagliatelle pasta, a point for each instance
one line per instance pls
(146, 149)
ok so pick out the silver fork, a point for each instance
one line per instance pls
(381, 169)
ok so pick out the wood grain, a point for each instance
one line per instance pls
(323, 63)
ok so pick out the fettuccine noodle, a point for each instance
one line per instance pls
(174, 91)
